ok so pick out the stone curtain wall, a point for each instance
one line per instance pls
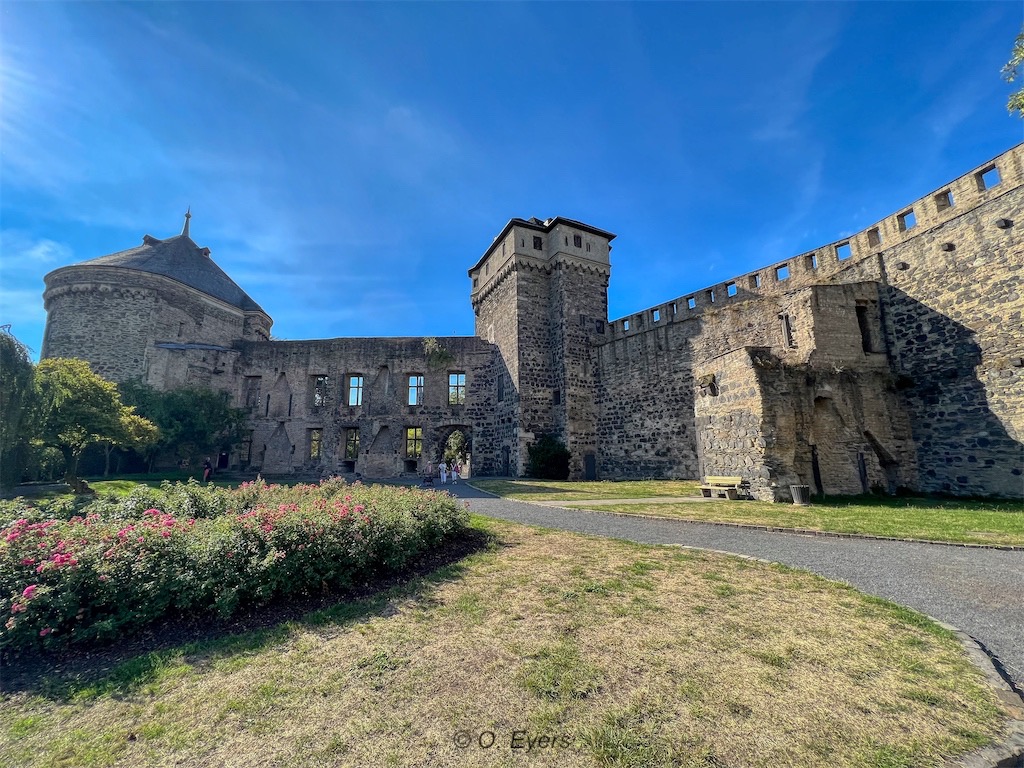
(287, 371)
(113, 318)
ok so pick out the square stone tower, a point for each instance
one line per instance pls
(540, 294)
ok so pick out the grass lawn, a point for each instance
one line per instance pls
(973, 522)
(565, 650)
(566, 490)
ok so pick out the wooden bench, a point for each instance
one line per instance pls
(721, 486)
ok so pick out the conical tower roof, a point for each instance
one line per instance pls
(179, 258)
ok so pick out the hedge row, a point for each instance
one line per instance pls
(115, 568)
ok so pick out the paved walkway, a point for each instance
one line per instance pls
(981, 591)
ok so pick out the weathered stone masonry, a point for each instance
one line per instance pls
(893, 358)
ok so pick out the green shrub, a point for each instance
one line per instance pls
(548, 459)
(202, 550)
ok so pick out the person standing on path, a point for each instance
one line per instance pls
(207, 470)
(455, 472)
(444, 472)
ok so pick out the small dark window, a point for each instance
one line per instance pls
(181, 330)
(320, 385)
(755, 280)
(844, 251)
(865, 329)
(577, 241)
(812, 261)
(476, 281)
(674, 309)
(352, 444)
(730, 288)
(599, 326)
(787, 331)
(987, 178)
(558, 397)
(944, 200)
(874, 237)
(316, 437)
(290, 398)
(267, 411)
(538, 243)
(711, 295)
(588, 247)
(782, 273)
(906, 220)
(501, 387)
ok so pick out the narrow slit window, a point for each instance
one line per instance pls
(625, 325)
(865, 328)
(845, 250)
(352, 444)
(787, 331)
(711, 295)
(812, 261)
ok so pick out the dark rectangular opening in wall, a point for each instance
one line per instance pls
(577, 241)
(267, 412)
(944, 200)
(599, 326)
(675, 310)
(787, 331)
(711, 295)
(557, 397)
(538, 244)
(501, 387)
(588, 247)
(874, 237)
(782, 273)
(987, 178)
(691, 303)
(730, 289)
(865, 329)
(906, 220)
(812, 261)
(755, 280)
(476, 281)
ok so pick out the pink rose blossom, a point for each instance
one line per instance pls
(45, 631)
(29, 591)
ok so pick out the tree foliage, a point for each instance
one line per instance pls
(16, 397)
(548, 459)
(76, 408)
(1011, 72)
(455, 448)
(193, 422)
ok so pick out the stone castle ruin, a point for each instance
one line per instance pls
(890, 359)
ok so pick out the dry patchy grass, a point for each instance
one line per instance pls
(570, 490)
(623, 655)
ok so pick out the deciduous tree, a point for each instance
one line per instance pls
(16, 374)
(1011, 72)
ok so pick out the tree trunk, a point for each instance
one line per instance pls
(107, 450)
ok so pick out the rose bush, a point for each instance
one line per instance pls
(117, 567)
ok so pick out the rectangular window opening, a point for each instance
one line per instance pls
(456, 389)
(656, 315)
(319, 394)
(557, 397)
(501, 387)
(476, 281)
(675, 309)
(987, 178)
(874, 237)
(906, 220)
(787, 331)
(865, 329)
(577, 241)
(413, 442)
(355, 390)
(812, 261)
(251, 396)
(782, 273)
(844, 250)
(755, 280)
(731, 289)
(944, 200)
(711, 295)
(691, 303)
(415, 389)
(352, 444)
(316, 437)
(538, 244)
(625, 325)
(588, 247)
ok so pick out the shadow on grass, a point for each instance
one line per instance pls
(921, 502)
(169, 647)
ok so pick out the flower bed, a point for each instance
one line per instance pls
(114, 568)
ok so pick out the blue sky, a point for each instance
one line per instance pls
(347, 163)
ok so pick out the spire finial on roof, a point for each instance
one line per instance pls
(188, 215)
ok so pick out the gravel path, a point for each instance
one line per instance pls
(981, 591)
